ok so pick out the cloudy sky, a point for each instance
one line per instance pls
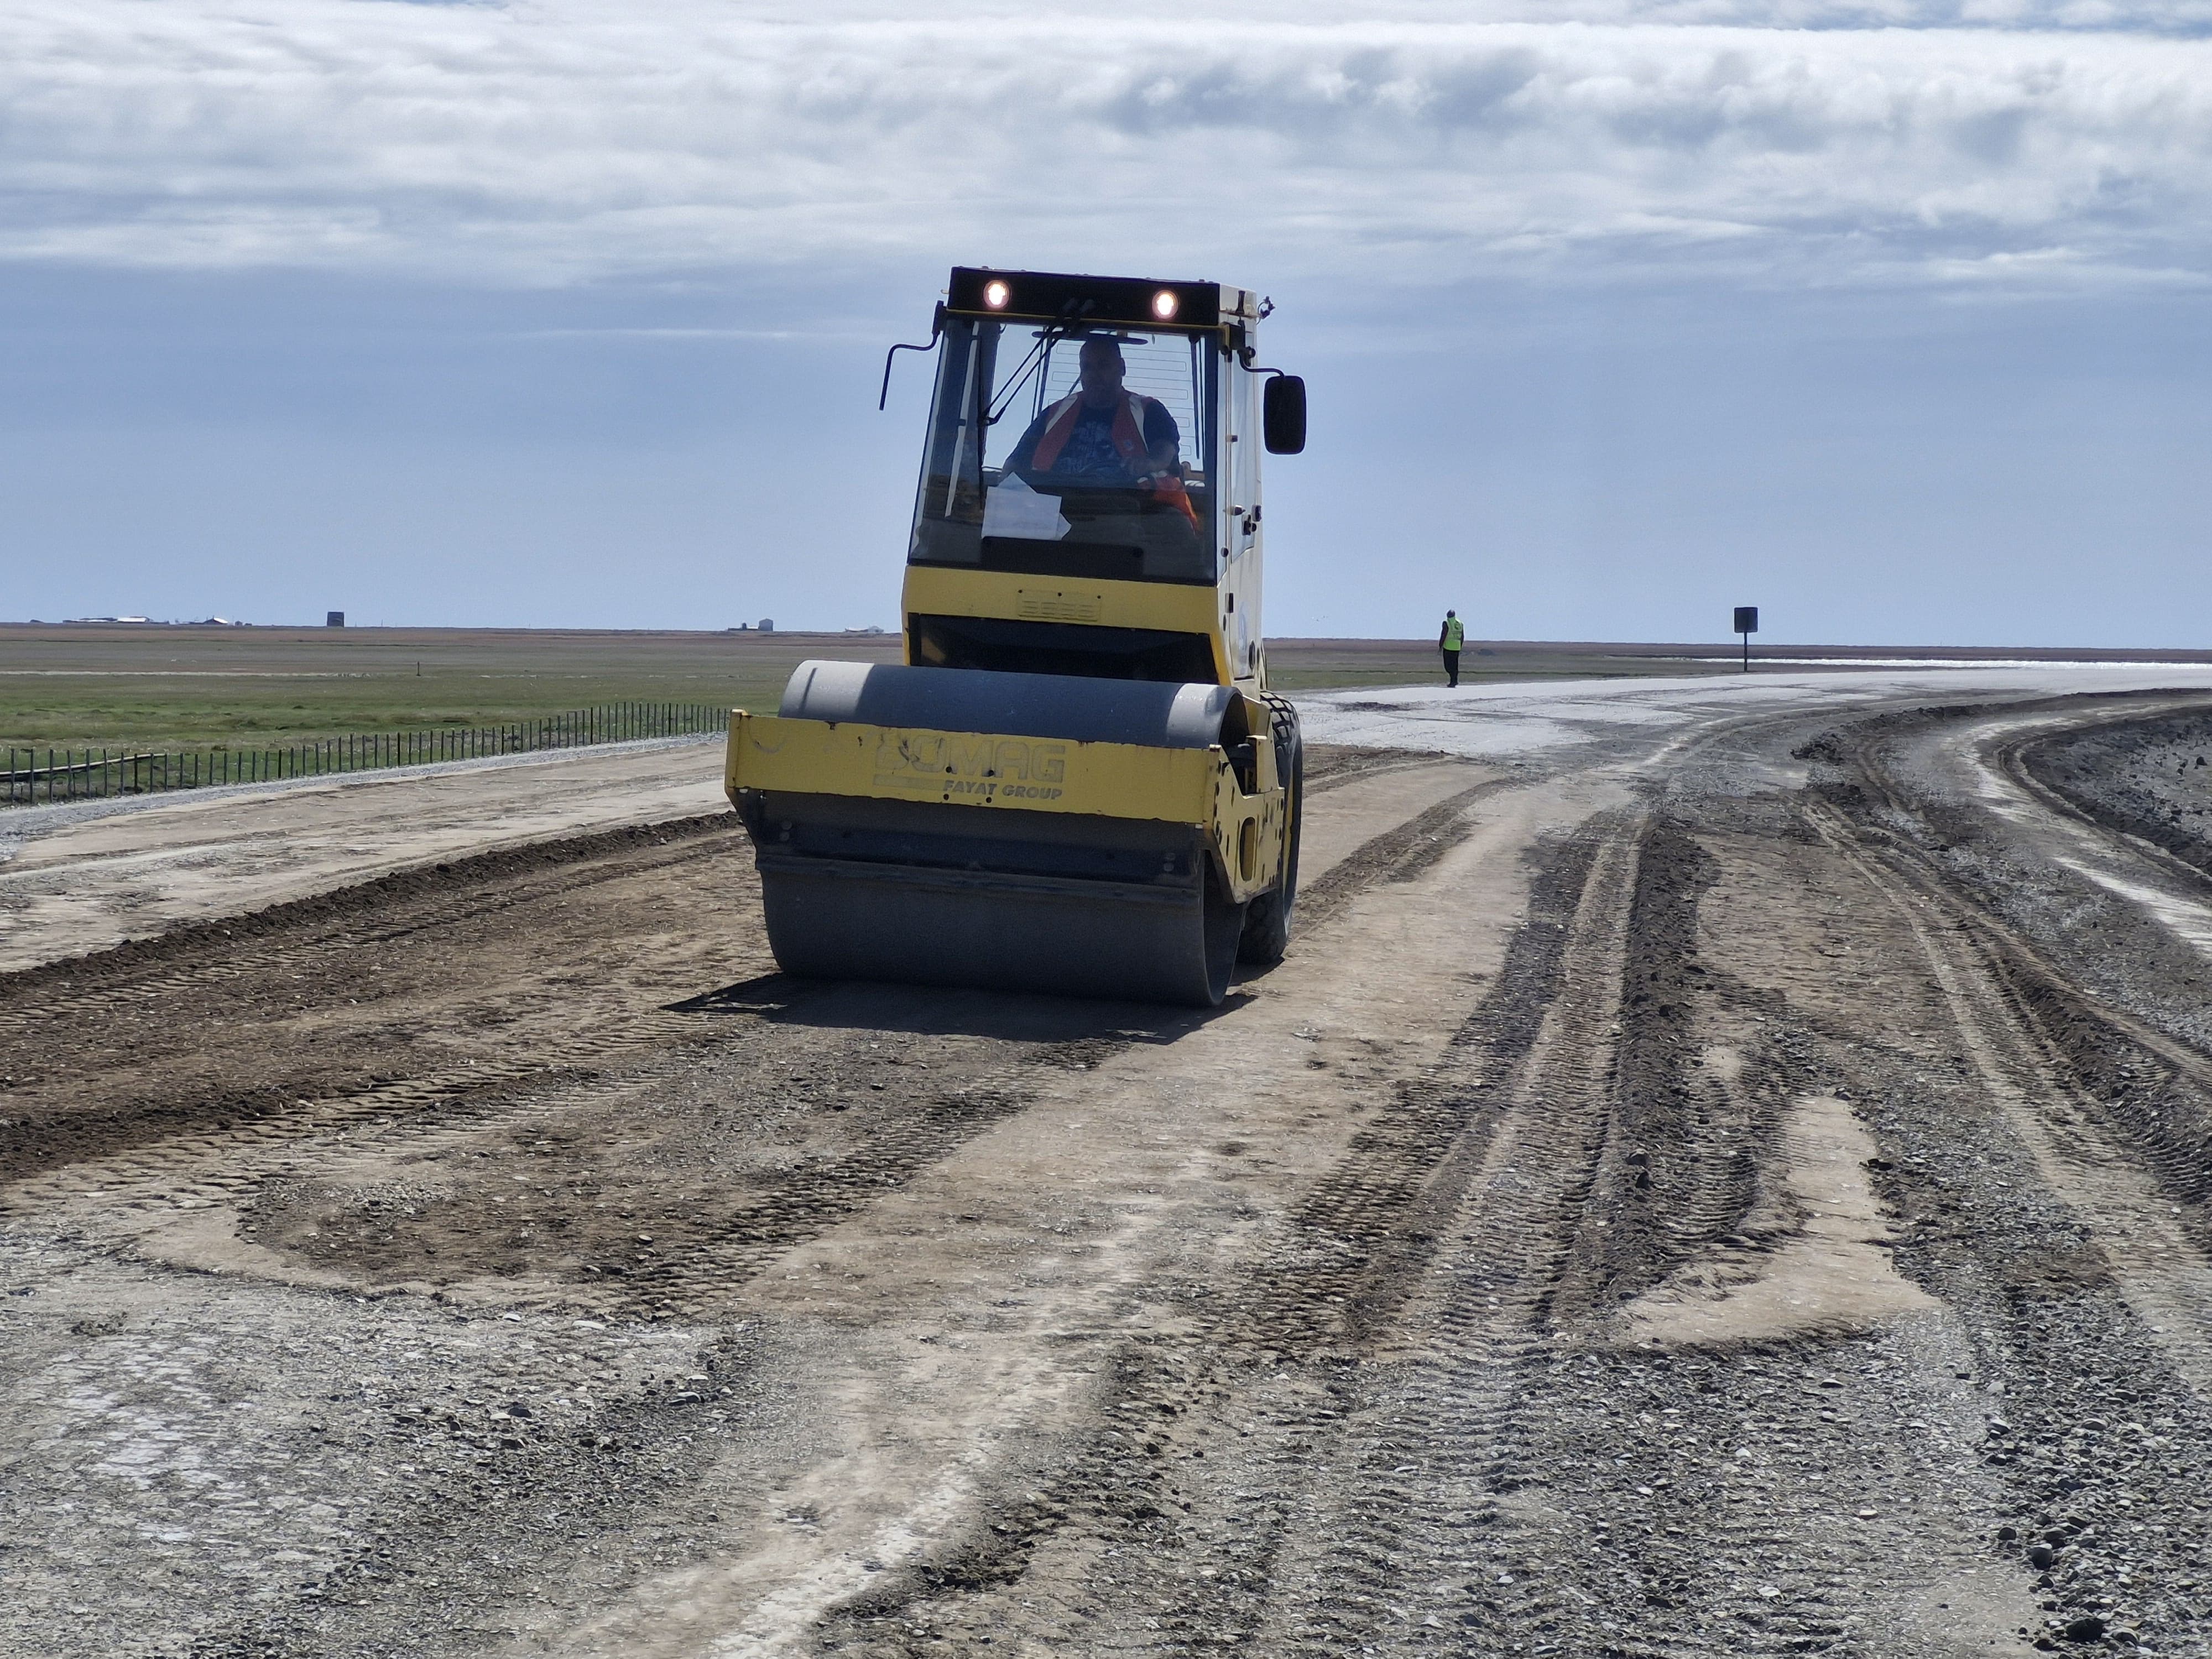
(1890, 318)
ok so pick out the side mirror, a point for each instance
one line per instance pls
(1283, 414)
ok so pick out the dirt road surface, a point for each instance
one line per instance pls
(1724, 1169)
(81, 875)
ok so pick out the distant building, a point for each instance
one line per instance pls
(767, 625)
(334, 619)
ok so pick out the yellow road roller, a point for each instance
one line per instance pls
(1078, 782)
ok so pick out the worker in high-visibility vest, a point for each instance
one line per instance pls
(1101, 435)
(1448, 642)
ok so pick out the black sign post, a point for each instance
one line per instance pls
(1747, 623)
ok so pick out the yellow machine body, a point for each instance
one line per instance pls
(1199, 613)
(1004, 773)
(1078, 782)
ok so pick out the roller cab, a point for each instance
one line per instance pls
(1078, 782)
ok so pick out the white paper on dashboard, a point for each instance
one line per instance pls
(1013, 509)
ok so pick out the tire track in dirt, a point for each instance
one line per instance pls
(1695, 1494)
(145, 1188)
(2144, 1089)
(2006, 1005)
(383, 911)
(1431, 1449)
(1684, 1143)
(194, 1171)
(1446, 1458)
(1319, 1297)
(2040, 764)
(1331, 767)
(1403, 854)
(255, 1018)
(1453, 1459)
(1427, 1449)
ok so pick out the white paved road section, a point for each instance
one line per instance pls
(76, 878)
(1519, 722)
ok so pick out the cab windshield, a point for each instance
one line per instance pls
(1071, 453)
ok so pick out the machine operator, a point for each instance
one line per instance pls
(1103, 434)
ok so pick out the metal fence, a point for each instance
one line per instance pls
(52, 774)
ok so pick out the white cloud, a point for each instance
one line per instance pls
(563, 139)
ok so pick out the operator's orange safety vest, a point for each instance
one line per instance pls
(1128, 443)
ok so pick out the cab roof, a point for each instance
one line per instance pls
(1132, 301)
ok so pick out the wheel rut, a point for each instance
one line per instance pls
(1428, 1451)
(1400, 854)
(2040, 1049)
(1271, 1374)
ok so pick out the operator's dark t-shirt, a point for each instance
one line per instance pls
(1090, 452)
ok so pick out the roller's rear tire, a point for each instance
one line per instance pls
(1267, 918)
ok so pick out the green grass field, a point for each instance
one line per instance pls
(160, 688)
(148, 687)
